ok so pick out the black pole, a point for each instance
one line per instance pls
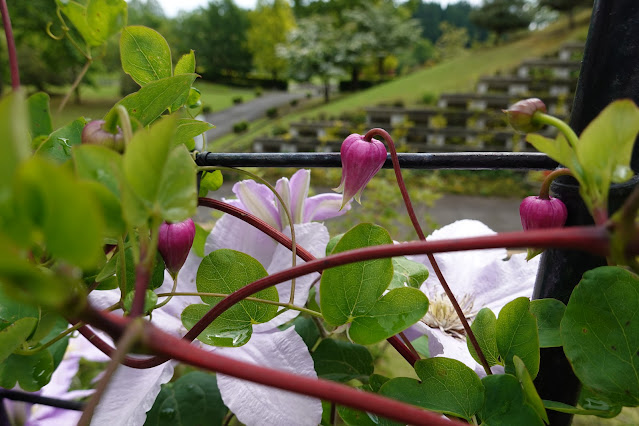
(610, 70)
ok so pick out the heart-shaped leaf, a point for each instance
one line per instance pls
(225, 271)
(342, 361)
(505, 404)
(516, 334)
(549, 313)
(600, 333)
(354, 293)
(447, 386)
(145, 54)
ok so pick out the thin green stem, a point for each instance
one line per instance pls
(544, 191)
(125, 123)
(413, 217)
(571, 136)
(11, 46)
(170, 295)
(75, 84)
(50, 342)
(285, 208)
(144, 268)
(253, 299)
(131, 335)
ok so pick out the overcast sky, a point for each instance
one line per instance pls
(171, 7)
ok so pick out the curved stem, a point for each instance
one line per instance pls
(593, 239)
(170, 295)
(161, 342)
(285, 208)
(542, 118)
(544, 191)
(413, 218)
(252, 299)
(11, 46)
(75, 84)
(144, 268)
(50, 342)
(125, 123)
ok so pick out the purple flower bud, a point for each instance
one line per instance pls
(360, 161)
(521, 113)
(175, 241)
(537, 213)
(94, 133)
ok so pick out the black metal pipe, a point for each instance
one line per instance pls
(33, 398)
(456, 160)
(610, 70)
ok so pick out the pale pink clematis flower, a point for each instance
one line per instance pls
(478, 279)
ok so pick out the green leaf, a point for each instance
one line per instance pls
(394, 312)
(39, 115)
(145, 54)
(57, 146)
(354, 292)
(193, 399)
(99, 164)
(97, 20)
(12, 310)
(61, 207)
(354, 417)
(14, 130)
(187, 129)
(600, 333)
(589, 400)
(530, 393)
(154, 98)
(505, 404)
(447, 386)
(225, 271)
(516, 334)
(25, 282)
(200, 240)
(307, 330)
(178, 186)
(421, 346)
(210, 181)
(484, 327)
(549, 313)
(106, 17)
(30, 372)
(157, 276)
(150, 300)
(163, 179)
(609, 161)
(342, 361)
(569, 409)
(407, 273)
(186, 64)
(332, 243)
(12, 337)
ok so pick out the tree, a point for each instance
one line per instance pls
(567, 6)
(452, 41)
(386, 29)
(502, 16)
(270, 24)
(312, 50)
(217, 33)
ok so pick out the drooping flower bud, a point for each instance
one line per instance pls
(94, 134)
(537, 213)
(174, 243)
(520, 115)
(361, 160)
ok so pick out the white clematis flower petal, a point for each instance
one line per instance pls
(130, 394)
(260, 405)
(478, 279)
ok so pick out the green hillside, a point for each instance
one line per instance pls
(456, 75)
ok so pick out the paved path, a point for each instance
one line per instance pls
(249, 111)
